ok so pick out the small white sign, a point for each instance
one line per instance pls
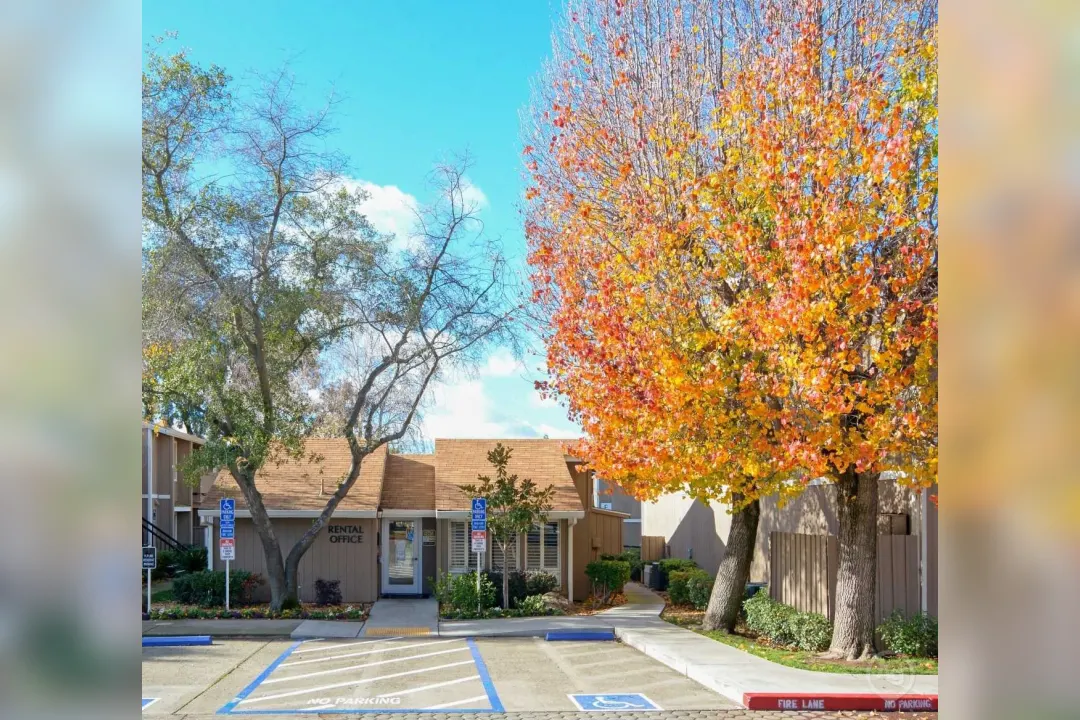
(479, 541)
(605, 506)
(227, 546)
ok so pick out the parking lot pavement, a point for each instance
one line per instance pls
(426, 678)
(420, 673)
(173, 678)
(532, 674)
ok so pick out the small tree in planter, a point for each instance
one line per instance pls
(513, 506)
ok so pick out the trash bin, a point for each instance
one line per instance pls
(752, 589)
(652, 576)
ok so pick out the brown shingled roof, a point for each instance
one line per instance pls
(459, 462)
(307, 483)
(409, 483)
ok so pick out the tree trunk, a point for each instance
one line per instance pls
(505, 579)
(282, 593)
(856, 577)
(734, 571)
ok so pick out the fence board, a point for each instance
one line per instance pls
(652, 548)
(803, 568)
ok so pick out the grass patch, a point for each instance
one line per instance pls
(691, 620)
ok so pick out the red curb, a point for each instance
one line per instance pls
(839, 701)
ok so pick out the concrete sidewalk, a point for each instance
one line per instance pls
(221, 628)
(730, 671)
(412, 616)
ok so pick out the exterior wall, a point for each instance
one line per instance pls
(632, 532)
(699, 530)
(353, 563)
(168, 452)
(600, 533)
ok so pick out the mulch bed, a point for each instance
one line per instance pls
(591, 606)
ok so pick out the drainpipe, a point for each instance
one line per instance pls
(570, 559)
(924, 495)
(208, 541)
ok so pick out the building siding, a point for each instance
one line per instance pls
(354, 564)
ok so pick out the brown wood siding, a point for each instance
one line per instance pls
(353, 564)
(600, 533)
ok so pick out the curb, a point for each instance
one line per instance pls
(175, 640)
(580, 635)
(839, 701)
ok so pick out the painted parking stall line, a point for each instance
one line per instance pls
(401, 675)
(613, 702)
(147, 702)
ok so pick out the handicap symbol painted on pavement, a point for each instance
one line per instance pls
(613, 701)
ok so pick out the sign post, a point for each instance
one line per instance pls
(227, 538)
(479, 539)
(149, 562)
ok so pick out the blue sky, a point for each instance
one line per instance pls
(420, 81)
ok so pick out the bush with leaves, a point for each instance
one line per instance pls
(190, 560)
(207, 588)
(166, 564)
(538, 582)
(916, 636)
(812, 631)
(532, 605)
(608, 577)
(327, 592)
(670, 565)
(679, 585)
(517, 584)
(699, 588)
(458, 597)
(631, 555)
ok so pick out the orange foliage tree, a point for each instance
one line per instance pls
(732, 225)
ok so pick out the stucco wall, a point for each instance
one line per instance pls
(329, 558)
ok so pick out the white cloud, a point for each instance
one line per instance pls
(502, 363)
(472, 195)
(463, 409)
(390, 210)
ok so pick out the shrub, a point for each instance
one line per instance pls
(517, 585)
(678, 585)
(916, 636)
(458, 598)
(532, 605)
(190, 560)
(631, 555)
(166, 564)
(539, 582)
(608, 577)
(770, 619)
(207, 588)
(699, 589)
(670, 565)
(327, 592)
(812, 631)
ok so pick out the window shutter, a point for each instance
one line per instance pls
(532, 549)
(551, 548)
(497, 555)
(459, 550)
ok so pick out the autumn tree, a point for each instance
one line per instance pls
(258, 266)
(514, 505)
(747, 257)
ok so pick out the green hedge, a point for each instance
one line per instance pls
(457, 594)
(670, 565)
(690, 587)
(916, 637)
(207, 588)
(608, 577)
(784, 625)
(631, 555)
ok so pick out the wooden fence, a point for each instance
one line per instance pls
(652, 548)
(802, 573)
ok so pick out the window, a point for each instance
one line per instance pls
(542, 548)
(461, 559)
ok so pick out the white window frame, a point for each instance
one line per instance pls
(470, 557)
(556, 568)
(491, 553)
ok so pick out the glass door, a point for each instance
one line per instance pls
(401, 559)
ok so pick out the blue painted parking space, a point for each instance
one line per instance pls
(613, 702)
(385, 675)
(147, 702)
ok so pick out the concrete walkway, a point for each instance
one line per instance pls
(412, 616)
(222, 628)
(730, 671)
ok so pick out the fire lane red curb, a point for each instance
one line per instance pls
(839, 701)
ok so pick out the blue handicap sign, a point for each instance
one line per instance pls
(608, 702)
(479, 505)
(479, 524)
(227, 531)
(227, 508)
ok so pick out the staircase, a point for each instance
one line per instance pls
(153, 535)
